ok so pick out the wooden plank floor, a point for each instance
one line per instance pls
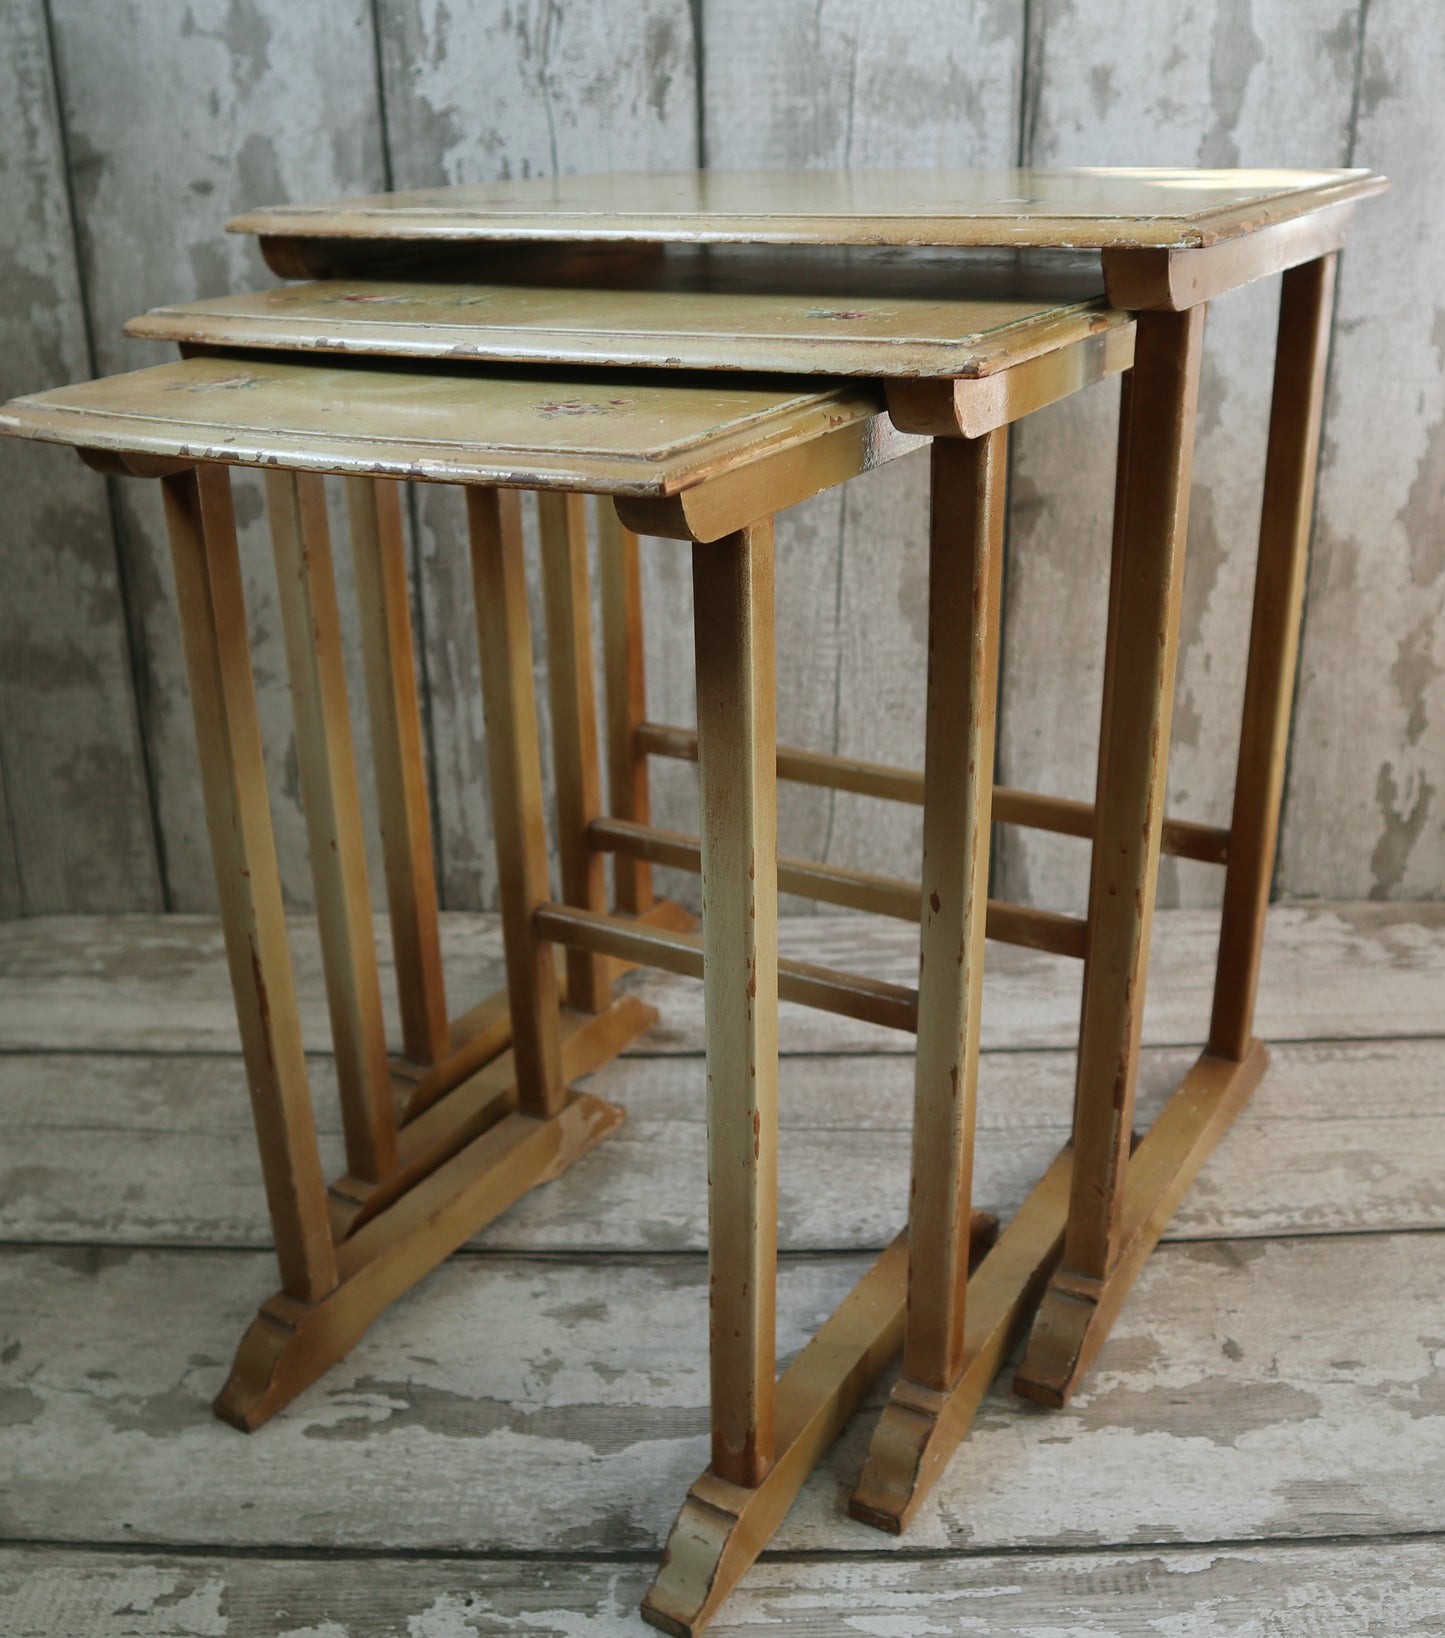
(1258, 1450)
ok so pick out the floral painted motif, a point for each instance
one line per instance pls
(222, 383)
(581, 406)
(845, 313)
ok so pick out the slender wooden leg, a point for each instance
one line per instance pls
(737, 778)
(1134, 743)
(965, 545)
(394, 710)
(228, 737)
(947, 1365)
(514, 764)
(620, 578)
(1306, 302)
(332, 802)
(566, 591)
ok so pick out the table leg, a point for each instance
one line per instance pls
(1306, 303)
(515, 770)
(202, 530)
(620, 579)
(567, 596)
(1142, 645)
(394, 711)
(326, 759)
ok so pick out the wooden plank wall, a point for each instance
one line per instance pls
(130, 131)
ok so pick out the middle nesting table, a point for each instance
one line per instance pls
(961, 368)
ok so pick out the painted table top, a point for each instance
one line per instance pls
(634, 434)
(1086, 208)
(868, 313)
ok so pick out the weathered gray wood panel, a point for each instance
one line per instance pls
(1229, 82)
(1378, 1590)
(79, 826)
(1283, 1389)
(849, 83)
(247, 100)
(140, 1150)
(1365, 810)
(159, 984)
(474, 93)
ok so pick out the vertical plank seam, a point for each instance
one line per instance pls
(130, 620)
(699, 83)
(837, 663)
(1003, 842)
(417, 611)
(1277, 885)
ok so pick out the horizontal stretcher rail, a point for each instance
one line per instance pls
(870, 1000)
(856, 889)
(1182, 838)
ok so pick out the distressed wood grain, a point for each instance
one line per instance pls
(252, 99)
(79, 823)
(158, 984)
(1231, 82)
(1284, 1389)
(473, 94)
(140, 1150)
(1365, 802)
(1379, 1590)
(847, 83)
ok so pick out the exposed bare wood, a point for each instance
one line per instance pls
(965, 593)
(228, 737)
(514, 762)
(326, 762)
(378, 553)
(619, 577)
(1182, 838)
(566, 596)
(1306, 306)
(857, 889)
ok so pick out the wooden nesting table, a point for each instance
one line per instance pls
(1168, 241)
(486, 1112)
(707, 460)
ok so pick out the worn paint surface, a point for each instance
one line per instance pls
(248, 98)
(77, 821)
(1230, 82)
(266, 102)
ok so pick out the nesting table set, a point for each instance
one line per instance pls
(702, 351)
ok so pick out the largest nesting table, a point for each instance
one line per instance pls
(1169, 241)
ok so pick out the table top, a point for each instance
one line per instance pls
(829, 312)
(1086, 209)
(626, 435)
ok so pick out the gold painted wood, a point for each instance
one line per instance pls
(1077, 1311)
(1176, 279)
(619, 575)
(597, 435)
(737, 773)
(800, 311)
(920, 1428)
(567, 600)
(378, 554)
(1301, 356)
(202, 530)
(722, 1527)
(1182, 838)
(1082, 209)
(331, 799)
(515, 772)
(855, 889)
(1141, 647)
(969, 408)
(290, 1343)
(850, 995)
(965, 573)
